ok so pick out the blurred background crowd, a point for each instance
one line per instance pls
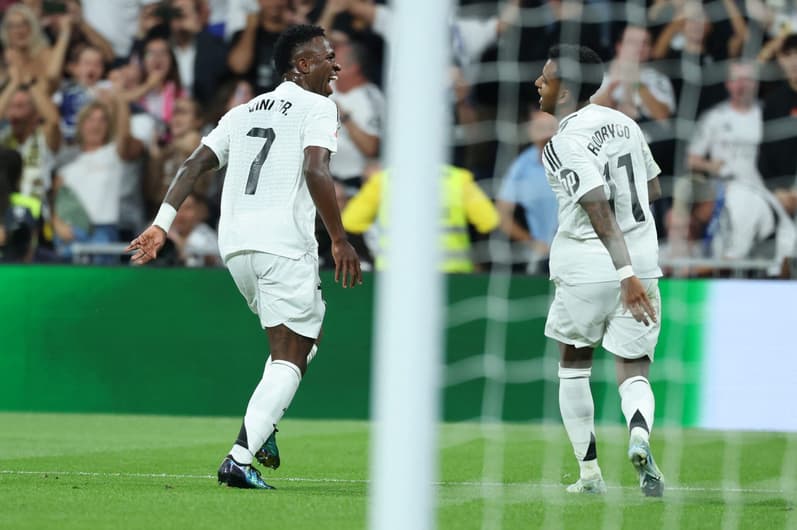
(101, 100)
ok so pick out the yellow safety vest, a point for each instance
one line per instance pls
(27, 201)
(454, 238)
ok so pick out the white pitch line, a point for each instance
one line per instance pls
(360, 481)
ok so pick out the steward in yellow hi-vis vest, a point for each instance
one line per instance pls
(463, 202)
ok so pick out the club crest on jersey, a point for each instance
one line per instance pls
(569, 180)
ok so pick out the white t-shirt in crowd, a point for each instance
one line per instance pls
(657, 83)
(751, 216)
(366, 106)
(201, 242)
(600, 147)
(96, 178)
(265, 203)
(469, 36)
(185, 64)
(116, 20)
(724, 133)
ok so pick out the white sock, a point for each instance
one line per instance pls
(310, 357)
(578, 415)
(268, 403)
(638, 404)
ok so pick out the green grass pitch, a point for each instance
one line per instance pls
(148, 472)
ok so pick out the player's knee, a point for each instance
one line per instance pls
(572, 357)
(631, 368)
(566, 372)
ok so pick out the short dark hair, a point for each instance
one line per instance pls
(286, 45)
(578, 67)
(789, 44)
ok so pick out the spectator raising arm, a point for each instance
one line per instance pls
(368, 144)
(13, 84)
(127, 146)
(739, 26)
(242, 53)
(92, 36)
(49, 114)
(55, 67)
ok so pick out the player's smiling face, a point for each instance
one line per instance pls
(548, 85)
(322, 68)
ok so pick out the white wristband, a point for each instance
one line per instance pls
(625, 272)
(165, 217)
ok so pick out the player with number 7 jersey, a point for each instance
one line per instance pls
(265, 204)
(596, 146)
(276, 149)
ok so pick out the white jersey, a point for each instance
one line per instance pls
(598, 146)
(753, 224)
(265, 203)
(724, 133)
(366, 106)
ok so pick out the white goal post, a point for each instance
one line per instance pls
(408, 354)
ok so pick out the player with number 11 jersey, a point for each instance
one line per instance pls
(598, 146)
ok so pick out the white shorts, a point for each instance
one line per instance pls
(584, 315)
(281, 290)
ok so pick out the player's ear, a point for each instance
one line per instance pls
(300, 66)
(564, 95)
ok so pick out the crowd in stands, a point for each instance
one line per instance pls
(101, 101)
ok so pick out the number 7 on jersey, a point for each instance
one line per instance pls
(260, 159)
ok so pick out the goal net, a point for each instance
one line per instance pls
(724, 435)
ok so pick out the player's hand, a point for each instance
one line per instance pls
(635, 299)
(347, 264)
(147, 245)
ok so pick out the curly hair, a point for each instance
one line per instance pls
(578, 67)
(289, 41)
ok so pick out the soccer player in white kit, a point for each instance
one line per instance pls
(276, 148)
(604, 259)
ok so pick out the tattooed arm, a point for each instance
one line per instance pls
(632, 291)
(605, 225)
(202, 160)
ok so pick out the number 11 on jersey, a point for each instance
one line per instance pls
(260, 159)
(625, 162)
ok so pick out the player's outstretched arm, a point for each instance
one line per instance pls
(147, 245)
(632, 291)
(322, 190)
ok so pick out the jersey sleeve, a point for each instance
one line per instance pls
(569, 161)
(321, 126)
(218, 140)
